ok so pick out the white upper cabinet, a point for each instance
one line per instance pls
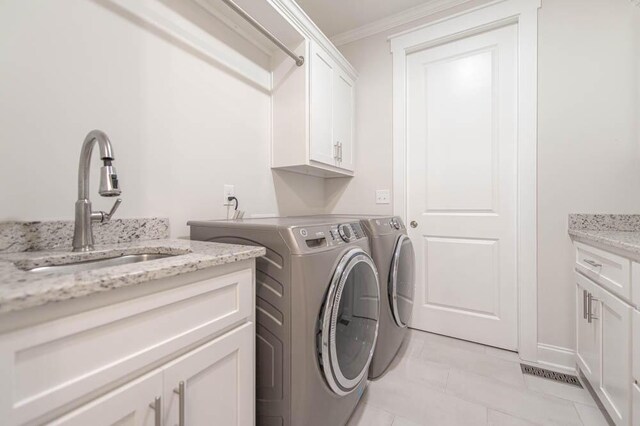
(313, 106)
(330, 115)
(322, 145)
(343, 114)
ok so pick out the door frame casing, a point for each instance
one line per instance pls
(523, 13)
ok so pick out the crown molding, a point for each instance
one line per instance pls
(300, 20)
(401, 18)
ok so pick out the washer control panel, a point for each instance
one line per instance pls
(319, 236)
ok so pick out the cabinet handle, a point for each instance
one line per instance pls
(180, 391)
(584, 304)
(335, 151)
(156, 405)
(593, 263)
(340, 151)
(590, 316)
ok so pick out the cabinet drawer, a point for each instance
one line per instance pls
(609, 270)
(57, 362)
(635, 339)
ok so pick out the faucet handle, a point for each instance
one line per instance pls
(107, 216)
(103, 216)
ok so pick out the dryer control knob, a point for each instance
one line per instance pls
(394, 223)
(345, 233)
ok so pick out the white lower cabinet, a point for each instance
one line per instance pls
(133, 404)
(587, 330)
(605, 342)
(209, 385)
(213, 385)
(636, 404)
(615, 383)
(191, 344)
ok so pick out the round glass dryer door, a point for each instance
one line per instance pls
(401, 281)
(349, 322)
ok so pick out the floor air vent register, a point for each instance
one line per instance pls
(551, 375)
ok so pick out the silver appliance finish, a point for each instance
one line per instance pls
(317, 313)
(393, 254)
(109, 187)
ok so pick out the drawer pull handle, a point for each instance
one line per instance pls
(590, 316)
(593, 263)
(180, 391)
(584, 303)
(156, 405)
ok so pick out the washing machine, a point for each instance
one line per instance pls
(393, 255)
(317, 315)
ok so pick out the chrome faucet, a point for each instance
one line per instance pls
(83, 232)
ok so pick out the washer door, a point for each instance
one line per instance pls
(401, 284)
(349, 322)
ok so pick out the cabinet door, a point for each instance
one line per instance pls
(128, 405)
(321, 144)
(343, 98)
(636, 404)
(587, 333)
(218, 382)
(615, 383)
(635, 333)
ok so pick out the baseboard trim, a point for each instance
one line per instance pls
(557, 357)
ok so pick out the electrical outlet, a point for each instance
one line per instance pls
(383, 196)
(229, 191)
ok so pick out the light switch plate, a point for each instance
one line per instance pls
(383, 196)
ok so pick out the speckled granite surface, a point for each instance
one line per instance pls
(604, 222)
(46, 235)
(621, 231)
(20, 289)
(625, 240)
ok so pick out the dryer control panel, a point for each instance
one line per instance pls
(315, 237)
(384, 226)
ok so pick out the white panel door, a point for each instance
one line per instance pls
(321, 86)
(133, 404)
(343, 119)
(218, 382)
(461, 186)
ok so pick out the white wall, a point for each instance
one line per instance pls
(589, 159)
(182, 125)
(371, 57)
(588, 146)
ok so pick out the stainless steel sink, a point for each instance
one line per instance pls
(87, 265)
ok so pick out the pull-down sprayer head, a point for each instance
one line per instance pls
(108, 180)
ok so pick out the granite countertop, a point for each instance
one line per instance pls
(620, 231)
(624, 240)
(20, 289)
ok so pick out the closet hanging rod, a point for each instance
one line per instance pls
(299, 59)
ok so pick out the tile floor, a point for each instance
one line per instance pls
(436, 380)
